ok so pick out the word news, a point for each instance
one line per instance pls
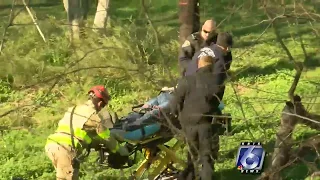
(250, 158)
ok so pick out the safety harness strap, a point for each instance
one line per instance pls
(71, 127)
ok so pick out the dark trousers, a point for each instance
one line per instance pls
(199, 139)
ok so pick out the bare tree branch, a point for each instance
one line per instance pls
(11, 18)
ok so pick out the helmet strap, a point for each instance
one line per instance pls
(91, 95)
(95, 101)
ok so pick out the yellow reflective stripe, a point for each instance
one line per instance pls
(62, 139)
(79, 133)
(116, 148)
(105, 134)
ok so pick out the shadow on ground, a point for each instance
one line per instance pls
(312, 62)
(238, 32)
(240, 24)
(267, 70)
(245, 126)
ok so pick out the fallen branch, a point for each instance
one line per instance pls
(34, 20)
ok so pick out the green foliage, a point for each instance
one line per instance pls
(5, 90)
(22, 155)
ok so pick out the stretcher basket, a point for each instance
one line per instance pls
(153, 146)
(148, 144)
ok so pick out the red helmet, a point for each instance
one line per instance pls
(100, 92)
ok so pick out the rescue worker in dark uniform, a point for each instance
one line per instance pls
(223, 58)
(195, 42)
(219, 52)
(194, 100)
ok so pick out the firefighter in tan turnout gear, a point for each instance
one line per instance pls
(89, 130)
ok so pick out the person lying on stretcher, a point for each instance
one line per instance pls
(161, 102)
(137, 125)
(155, 104)
(131, 126)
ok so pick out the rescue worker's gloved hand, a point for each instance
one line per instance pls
(123, 151)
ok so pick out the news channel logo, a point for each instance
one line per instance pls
(250, 158)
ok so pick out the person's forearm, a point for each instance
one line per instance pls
(152, 102)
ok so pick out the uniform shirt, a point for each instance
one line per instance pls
(192, 45)
(213, 51)
(221, 65)
(195, 96)
(188, 48)
(98, 124)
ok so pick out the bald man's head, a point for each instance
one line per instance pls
(210, 24)
(207, 28)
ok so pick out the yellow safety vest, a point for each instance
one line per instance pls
(80, 116)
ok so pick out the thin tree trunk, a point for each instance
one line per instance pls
(189, 18)
(101, 17)
(77, 12)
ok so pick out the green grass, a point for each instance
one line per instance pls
(264, 77)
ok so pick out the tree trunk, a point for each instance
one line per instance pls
(77, 11)
(101, 17)
(189, 18)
